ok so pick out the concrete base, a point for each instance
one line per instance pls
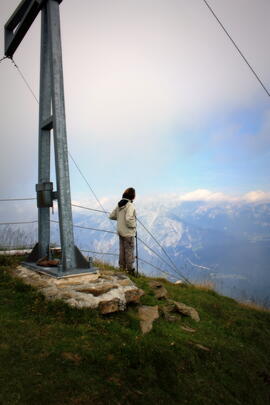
(57, 272)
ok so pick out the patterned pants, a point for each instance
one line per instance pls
(126, 252)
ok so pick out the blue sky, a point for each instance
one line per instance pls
(156, 98)
(230, 154)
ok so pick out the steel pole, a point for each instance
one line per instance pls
(44, 135)
(60, 139)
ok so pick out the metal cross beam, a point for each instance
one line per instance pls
(51, 118)
(20, 22)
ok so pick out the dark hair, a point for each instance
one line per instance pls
(129, 193)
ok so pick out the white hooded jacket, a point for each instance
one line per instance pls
(126, 218)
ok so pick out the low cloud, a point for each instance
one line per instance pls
(216, 197)
(206, 195)
(257, 196)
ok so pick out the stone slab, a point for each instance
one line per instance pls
(109, 292)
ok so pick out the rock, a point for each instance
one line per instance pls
(172, 318)
(96, 291)
(106, 276)
(134, 295)
(66, 294)
(108, 292)
(188, 311)
(172, 307)
(159, 290)
(48, 263)
(80, 303)
(38, 283)
(107, 307)
(188, 329)
(206, 349)
(121, 276)
(80, 279)
(147, 315)
(125, 283)
(168, 311)
(49, 292)
(72, 302)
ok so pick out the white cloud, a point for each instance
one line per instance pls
(256, 196)
(206, 195)
(216, 197)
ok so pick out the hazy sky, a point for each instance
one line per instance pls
(156, 96)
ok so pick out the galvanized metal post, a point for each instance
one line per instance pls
(45, 97)
(60, 138)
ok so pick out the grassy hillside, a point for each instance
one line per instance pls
(53, 354)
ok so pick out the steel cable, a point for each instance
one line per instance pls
(85, 227)
(158, 268)
(6, 247)
(164, 251)
(18, 223)
(99, 253)
(3, 58)
(236, 46)
(90, 209)
(86, 181)
(160, 257)
(16, 199)
(24, 79)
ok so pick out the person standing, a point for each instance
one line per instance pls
(125, 215)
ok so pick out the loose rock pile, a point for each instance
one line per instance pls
(108, 292)
(172, 311)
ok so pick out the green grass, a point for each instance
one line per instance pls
(53, 354)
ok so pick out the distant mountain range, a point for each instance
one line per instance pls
(227, 243)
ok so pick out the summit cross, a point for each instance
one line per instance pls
(51, 118)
